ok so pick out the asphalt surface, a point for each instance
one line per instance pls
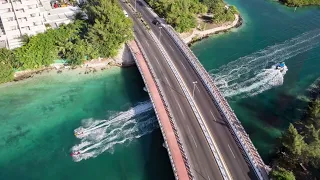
(198, 151)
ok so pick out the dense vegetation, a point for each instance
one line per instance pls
(6, 61)
(298, 3)
(181, 14)
(100, 34)
(220, 12)
(299, 154)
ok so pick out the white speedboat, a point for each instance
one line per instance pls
(281, 67)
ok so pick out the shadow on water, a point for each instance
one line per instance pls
(157, 164)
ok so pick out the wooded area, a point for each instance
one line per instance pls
(181, 14)
(100, 34)
(298, 156)
(298, 3)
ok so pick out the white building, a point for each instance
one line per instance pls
(20, 17)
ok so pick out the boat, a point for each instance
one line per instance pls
(281, 67)
(75, 153)
(79, 132)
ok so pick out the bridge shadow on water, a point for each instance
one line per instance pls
(155, 158)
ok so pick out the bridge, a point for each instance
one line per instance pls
(203, 136)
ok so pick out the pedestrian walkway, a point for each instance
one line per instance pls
(176, 157)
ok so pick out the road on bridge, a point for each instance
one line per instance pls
(198, 151)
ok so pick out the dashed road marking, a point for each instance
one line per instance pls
(147, 43)
(192, 137)
(213, 116)
(198, 89)
(156, 59)
(183, 65)
(231, 151)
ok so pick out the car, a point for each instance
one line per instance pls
(125, 13)
(140, 3)
(155, 21)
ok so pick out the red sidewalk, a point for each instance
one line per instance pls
(162, 113)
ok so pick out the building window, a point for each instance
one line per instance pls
(10, 18)
(13, 27)
(20, 10)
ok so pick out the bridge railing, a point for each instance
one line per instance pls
(237, 129)
(224, 107)
(172, 121)
(210, 141)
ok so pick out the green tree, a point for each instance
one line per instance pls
(293, 141)
(282, 174)
(181, 14)
(314, 113)
(219, 10)
(109, 27)
(39, 51)
(101, 34)
(7, 57)
(6, 72)
(298, 3)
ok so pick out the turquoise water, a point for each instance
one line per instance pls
(264, 100)
(38, 117)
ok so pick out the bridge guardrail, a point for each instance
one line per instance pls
(225, 109)
(237, 129)
(210, 141)
(164, 100)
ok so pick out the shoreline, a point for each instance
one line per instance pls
(200, 35)
(124, 59)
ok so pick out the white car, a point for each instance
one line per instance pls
(125, 13)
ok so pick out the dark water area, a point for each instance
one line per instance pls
(264, 100)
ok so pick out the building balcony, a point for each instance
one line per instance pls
(13, 33)
(5, 6)
(5, 16)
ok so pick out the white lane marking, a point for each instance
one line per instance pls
(183, 65)
(231, 151)
(193, 138)
(208, 177)
(213, 116)
(167, 80)
(198, 89)
(180, 109)
(179, 106)
(171, 46)
(156, 59)
(147, 43)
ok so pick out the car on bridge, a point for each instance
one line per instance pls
(155, 21)
(125, 13)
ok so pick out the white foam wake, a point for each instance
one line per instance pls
(124, 127)
(91, 126)
(251, 75)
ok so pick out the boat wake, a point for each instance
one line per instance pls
(102, 135)
(253, 74)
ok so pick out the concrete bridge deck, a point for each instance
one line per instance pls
(166, 125)
(212, 141)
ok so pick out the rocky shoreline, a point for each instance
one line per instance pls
(200, 35)
(124, 59)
